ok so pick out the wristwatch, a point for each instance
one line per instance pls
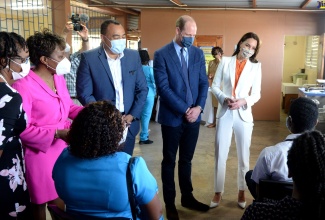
(135, 118)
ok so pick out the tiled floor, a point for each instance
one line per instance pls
(265, 133)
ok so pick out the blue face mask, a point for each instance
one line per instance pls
(118, 45)
(187, 41)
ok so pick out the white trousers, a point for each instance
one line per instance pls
(229, 122)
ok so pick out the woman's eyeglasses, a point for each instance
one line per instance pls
(22, 60)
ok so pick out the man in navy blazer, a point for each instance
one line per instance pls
(182, 85)
(111, 72)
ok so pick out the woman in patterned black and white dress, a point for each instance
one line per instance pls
(14, 64)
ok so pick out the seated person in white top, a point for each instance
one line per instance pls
(272, 161)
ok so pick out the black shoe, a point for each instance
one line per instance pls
(146, 142)
(191, 203)
(172, 213)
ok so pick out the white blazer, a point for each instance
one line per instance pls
(248, 86)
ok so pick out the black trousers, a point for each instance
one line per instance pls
(184, 138)
(251, 184)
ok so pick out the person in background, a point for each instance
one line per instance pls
(237, 86)
(48, 107)
(112, 72)
(217, 53)
(306, 164)
(272, 162)
(97, 184)
(147, 109)
(182, 84)
(74, 58)
(14, 65)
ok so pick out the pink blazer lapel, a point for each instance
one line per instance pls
(43, 84)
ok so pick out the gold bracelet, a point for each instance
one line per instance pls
(56, 134)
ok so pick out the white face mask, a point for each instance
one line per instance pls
(247, 53)
(63, 66)
(125, 133)
(118, 45)
(67, 48)
(24, 72)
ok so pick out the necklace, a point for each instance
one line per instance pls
(51, 85)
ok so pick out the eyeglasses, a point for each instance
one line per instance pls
(22, 60)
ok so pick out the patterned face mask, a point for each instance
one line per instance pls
(247, 53)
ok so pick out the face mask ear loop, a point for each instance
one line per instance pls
(8, 63)
(106, 43)
(289, 118)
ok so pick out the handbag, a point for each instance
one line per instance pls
(135, 208)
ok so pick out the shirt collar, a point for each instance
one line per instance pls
(178, 48)
(293, 136)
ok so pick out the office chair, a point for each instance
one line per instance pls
(272, 189)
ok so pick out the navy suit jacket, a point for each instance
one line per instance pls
(95, 81)
(171, 86)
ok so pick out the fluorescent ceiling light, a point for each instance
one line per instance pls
(98, 2)
(178, 3)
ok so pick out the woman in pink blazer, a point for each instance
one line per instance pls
(237, 86)
(48, 106)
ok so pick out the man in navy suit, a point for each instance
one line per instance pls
(182, 85)
(111, 72)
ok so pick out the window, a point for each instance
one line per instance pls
(312, 52)
(23, 16)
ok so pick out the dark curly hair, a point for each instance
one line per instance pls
(10, 45)
(245, 37)
(304, 115)
(43, 44)
(306, 163)
(96, 131)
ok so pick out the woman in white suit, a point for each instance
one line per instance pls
(237, 86)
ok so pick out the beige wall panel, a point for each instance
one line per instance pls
(158, 29)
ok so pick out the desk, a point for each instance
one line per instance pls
(289, 88)
(289, 93)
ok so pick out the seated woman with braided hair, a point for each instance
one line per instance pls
(306, 163)
(90, 175)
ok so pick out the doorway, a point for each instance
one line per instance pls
(303, 64)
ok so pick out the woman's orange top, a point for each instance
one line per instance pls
(239, 69)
